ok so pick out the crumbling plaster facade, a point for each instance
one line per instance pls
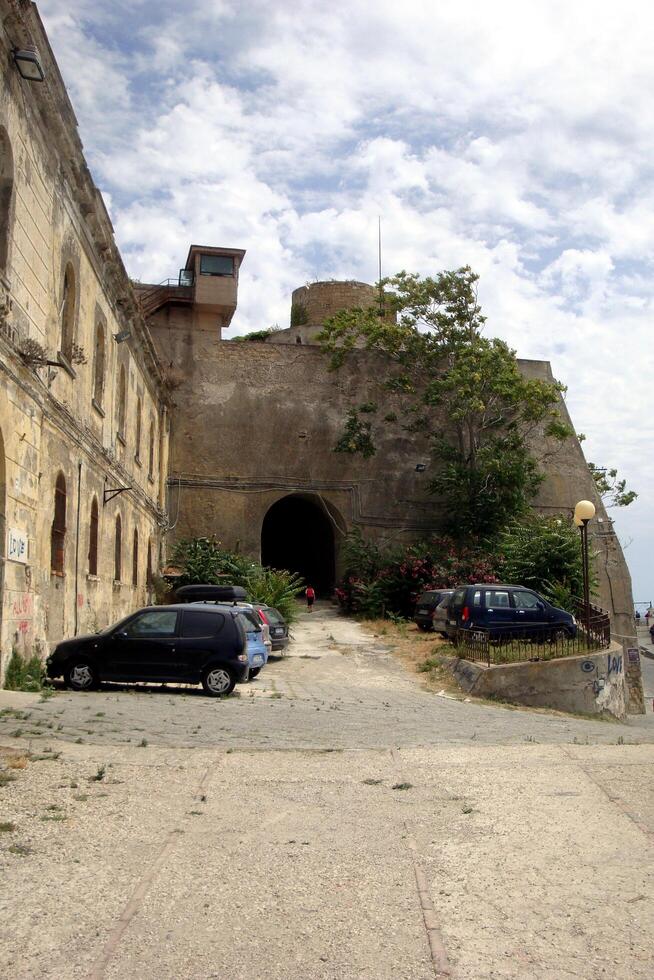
(70, 425)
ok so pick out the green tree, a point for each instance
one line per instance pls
(612, 490)
(543, 553)
(463, 391)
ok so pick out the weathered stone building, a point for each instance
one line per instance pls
(82, 400)
(98, 377)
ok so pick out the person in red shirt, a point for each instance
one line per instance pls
(311, 597)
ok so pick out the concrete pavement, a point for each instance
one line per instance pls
(356, 826)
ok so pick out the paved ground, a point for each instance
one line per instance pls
(335, 821)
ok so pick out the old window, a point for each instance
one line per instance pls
(121, 411)
(58, 531)
(135, 559)
(99, 364)
(118, 549)
(93, 538)
(67, 313)
(137, 448)
(6, 196)
(216, 265)
(151, 451)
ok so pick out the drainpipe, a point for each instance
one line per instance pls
(79, 504)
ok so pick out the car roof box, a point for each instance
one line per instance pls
(210, 593)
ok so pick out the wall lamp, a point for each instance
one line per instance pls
(421, 467)
(123, 335)
(29, 64)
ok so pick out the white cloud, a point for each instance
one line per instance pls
(514, 137)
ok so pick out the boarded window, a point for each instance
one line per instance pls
(148, 568)
(118, 549)
(99, 363)
(93, 539)
(6, 196)
(68, 303)
(58, 531)
(122, 401)
(139, 409)
(151, 451)
(135, 559)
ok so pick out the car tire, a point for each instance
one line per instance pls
(254, 672)
(81, 675)
(559, 634)
(218, 681)
(425, 627)
(444, 635)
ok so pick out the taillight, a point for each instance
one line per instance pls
(465, 614)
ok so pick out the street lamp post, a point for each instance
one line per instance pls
(584, 512)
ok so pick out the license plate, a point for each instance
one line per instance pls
(278, 632)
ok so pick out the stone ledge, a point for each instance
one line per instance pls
(560, 684)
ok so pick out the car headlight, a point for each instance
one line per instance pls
(574, 621)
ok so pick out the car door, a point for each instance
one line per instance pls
(529, 609)
(143, 648)
(497, 609)
(201, 635)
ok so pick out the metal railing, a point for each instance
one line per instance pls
(178, 289)
(517, 644)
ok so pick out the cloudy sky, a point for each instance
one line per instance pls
(516, 137)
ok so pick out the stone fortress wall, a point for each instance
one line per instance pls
(260, 420)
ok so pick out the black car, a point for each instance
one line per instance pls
(277, 625)
(426, 604)
(512, 608)
(176, 643)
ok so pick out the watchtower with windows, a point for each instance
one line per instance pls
(202, 296)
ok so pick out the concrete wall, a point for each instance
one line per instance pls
(593, 684)
(49, 421)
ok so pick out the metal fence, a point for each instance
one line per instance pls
(514, 644)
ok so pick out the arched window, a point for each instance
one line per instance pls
(148, 568)
(6, 196)
(68, 303)
(58, 530)
(135, 559)
(151, 451)
(93, 538)
(99, 363)
(118, 549)
(122, 402)
(137, 449)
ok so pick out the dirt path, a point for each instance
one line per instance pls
(339, 823)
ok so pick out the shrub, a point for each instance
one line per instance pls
(543, 553)
(24, 673)
(204, 561)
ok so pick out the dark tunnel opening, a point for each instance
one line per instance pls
(297, 535)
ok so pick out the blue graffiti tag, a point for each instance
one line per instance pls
(615, 664)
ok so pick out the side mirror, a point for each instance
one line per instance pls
(541, 606)
(121, 635)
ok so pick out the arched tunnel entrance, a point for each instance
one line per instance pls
(298, 534)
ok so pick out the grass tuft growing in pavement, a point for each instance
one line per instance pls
(402, 786)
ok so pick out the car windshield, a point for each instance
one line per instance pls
(428, 596)
(273, 616)
(114, 626)
(249, 621)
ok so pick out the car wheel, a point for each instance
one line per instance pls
(425, 627)
(218, 682)
(254, 671)
(444, 635)
(559, 634)
(81, 676)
